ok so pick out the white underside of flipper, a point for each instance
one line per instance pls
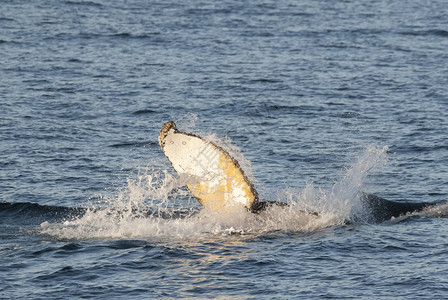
(213, 176)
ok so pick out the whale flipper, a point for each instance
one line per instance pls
(214, 177)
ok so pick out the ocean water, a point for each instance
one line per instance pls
(318, 101)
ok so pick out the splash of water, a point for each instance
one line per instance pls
(343, 200)
(155, 204)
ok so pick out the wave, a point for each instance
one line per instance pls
(433, 32)
(84, 3)
(151, 36)
(147, 111)
(28, 213)
(132, 144)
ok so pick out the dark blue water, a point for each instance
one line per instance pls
(318, 100)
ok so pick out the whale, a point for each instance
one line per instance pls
(217, 181)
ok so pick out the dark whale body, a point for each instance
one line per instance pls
(380, 209)
(375, 209)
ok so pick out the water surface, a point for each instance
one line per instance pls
(316, 99)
